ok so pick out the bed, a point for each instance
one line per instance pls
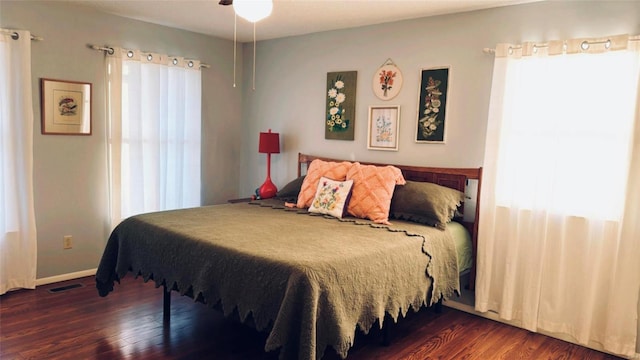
(309, 279)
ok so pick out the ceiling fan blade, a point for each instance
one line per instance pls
(225, 2)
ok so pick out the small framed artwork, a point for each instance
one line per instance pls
(384, 122)
(65, 107)
(387, 81)
(340, 114)
(432, 105)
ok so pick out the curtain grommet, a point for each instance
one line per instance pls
(584, 45)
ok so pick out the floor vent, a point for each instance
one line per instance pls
(65, 288)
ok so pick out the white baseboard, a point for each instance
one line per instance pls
(65, 277)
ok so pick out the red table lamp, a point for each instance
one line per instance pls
(269, 144)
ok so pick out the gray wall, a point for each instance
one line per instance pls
(71, 193)
(291, 75)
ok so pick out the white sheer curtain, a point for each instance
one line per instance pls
(18, 249)
(154, 119)
(559, 237)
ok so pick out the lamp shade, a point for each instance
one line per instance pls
(253, 10)
(269, 143)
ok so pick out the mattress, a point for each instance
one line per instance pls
(463, 245)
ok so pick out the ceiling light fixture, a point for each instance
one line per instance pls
(252, 11)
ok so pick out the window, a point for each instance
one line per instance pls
(154, 134)
(566, 134)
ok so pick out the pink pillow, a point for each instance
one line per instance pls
(372, 191)
(317, 169)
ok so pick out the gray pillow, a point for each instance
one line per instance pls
(290, 191)
(425, 203)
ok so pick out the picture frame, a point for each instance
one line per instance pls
(387, 81)
(432, 105)
(340, 98)
(65, 107)
(384, 125)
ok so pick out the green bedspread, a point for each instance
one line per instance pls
(310, 280)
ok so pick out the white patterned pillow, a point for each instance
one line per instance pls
(331, 197)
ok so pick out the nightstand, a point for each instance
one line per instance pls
(241, 200)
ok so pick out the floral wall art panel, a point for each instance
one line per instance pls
(340, 116)
(387, 81)
(432, 105)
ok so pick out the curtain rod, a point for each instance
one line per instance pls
(109, 50)
(16, 36)
(544, 45)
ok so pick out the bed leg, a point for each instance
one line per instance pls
(386, 338)
(438, 307)
(166, 304)
(386, 331)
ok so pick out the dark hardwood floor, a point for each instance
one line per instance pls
(127, 324)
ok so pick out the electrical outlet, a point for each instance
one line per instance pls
(67, 242)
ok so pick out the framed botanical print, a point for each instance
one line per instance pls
(384, 123)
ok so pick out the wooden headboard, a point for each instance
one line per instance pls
(455, 178)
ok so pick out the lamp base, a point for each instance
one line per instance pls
(267, 190)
